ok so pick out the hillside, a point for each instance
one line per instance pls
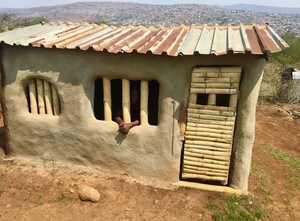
(262, 8)
(119, 13)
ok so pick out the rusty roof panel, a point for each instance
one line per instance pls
(174, 41)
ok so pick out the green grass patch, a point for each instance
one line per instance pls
(286, 157)
(235, 208)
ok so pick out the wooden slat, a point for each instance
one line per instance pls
(208, 143)
(193, 98)
(107, 99)
(48, 97)
(208, 161)
(204, 138)
(56, 103)
(216, 74)
(33, 97)
(216, 69)
(205, 169)
(208, 154)
(230, 74)
(214, 80)
(205, 165)
(206, 74)
(201, 125)
(208, 130)
(213, 91)
(206, 69)
(206, 107)
(204, 156)
(126, 100)
(233, 100)
(212, 99)
(213, 122)
(209, 134)
(216, 152)
(198, 149)
(40, 96)
(144, 102)
(211, 117)
(185, 170)
(215, 85)
(210, 112)
(202, 177)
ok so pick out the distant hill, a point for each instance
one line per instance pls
(122, 13)
(262, 8)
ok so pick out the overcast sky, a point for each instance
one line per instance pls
(35, 3)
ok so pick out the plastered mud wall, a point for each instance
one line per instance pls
(148, 154)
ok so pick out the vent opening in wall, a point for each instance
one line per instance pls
(42, 97)
(222, 100)
(202, 99)
(113, 96)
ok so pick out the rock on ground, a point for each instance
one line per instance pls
(87, 193)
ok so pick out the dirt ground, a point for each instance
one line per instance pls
(49, 191)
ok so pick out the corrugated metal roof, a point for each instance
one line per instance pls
(174, 41)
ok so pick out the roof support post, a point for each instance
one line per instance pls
(245, 124)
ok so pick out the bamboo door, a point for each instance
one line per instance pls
(210, 125)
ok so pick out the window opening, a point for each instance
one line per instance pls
(114, 101)
(42, 97)
(202, 99)
(223, 100)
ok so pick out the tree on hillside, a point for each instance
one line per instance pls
(290, 55)
(6, 22)
(10, 21)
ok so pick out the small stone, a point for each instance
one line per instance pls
(87, 193)
(72, 190)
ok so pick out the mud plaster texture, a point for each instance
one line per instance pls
(149, 154)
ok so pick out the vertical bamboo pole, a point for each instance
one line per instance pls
(48, 98)
(107, 99)
(56, 105)
(126, 100)
(233, 100)
(193, 98)
(212, 99)
(144, 102)
(40, 96)
(32, 97)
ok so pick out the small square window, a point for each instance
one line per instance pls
(222, 100)
(202, 99)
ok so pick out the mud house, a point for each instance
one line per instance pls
(62, 84)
